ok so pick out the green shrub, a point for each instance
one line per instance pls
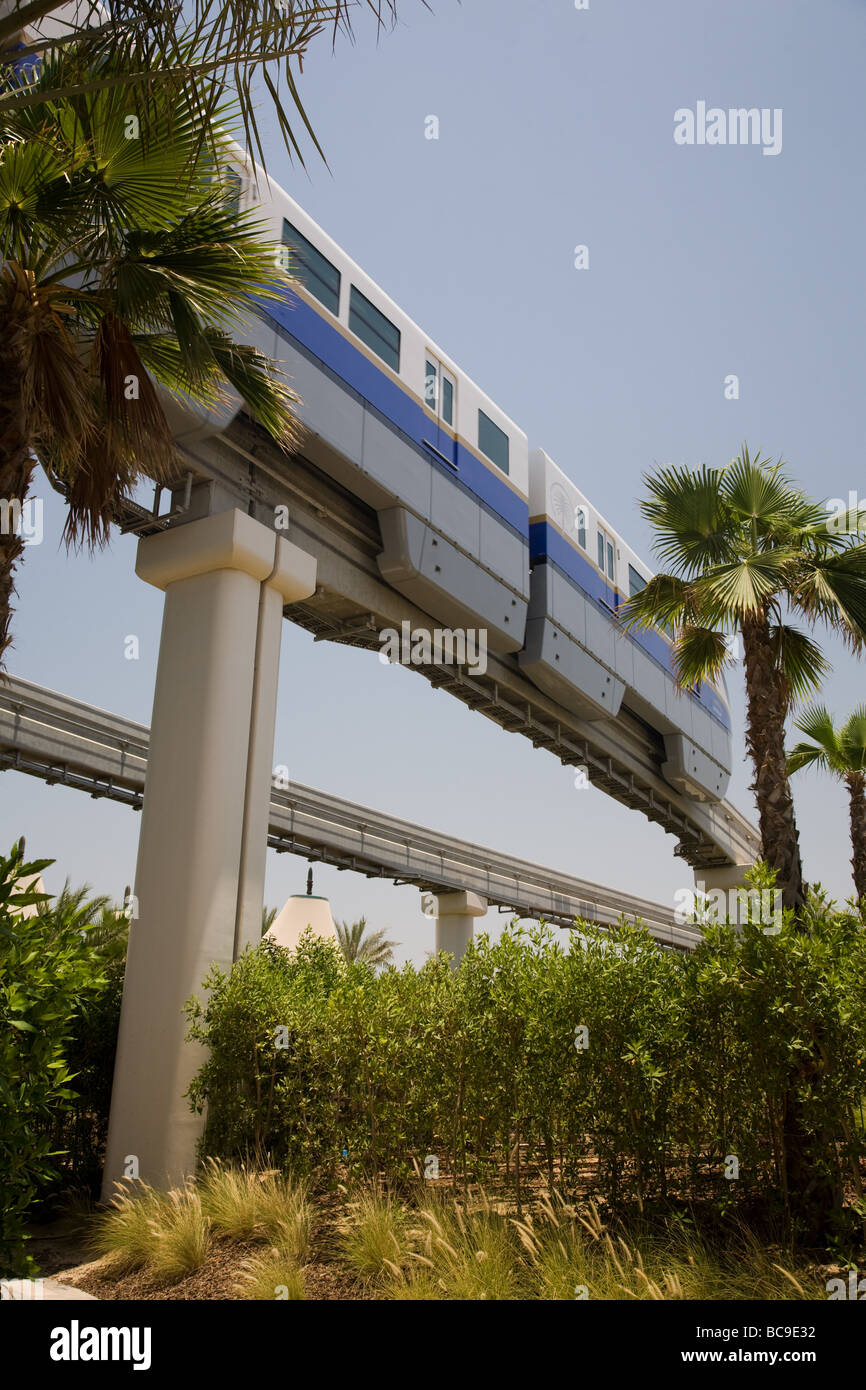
(47, 974)
(80, 1130)
(480, 1075)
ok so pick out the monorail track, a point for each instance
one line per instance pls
(66, 742)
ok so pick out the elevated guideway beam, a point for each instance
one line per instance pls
(65, 741)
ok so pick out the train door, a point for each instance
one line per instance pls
(440, 396)
(607, 564)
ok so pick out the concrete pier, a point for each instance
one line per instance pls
(455, 913)
(203, 843)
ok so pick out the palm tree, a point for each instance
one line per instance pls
(106, 927)
(124, 269)
(745, 549)
(241, 48)
(357, 944)
(269, 916)
(842, 752)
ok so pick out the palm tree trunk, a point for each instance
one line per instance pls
(856, 782)
(17, 466)
(812, 1192)
(17, 457)
(765, 738)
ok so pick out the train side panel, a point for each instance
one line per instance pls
(582, 572)
(393, 419)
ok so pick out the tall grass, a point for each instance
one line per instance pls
(561, 1252)
(122, 1234)
(469, 1253)
(433, 1247)
(374, 1235)
(181, 1237)
(272, 1276)
(166, 1233)
(245, 1205)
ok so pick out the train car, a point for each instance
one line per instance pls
(475, 530)
(578, 653)
(393, 418)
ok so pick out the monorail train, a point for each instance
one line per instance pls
(476, 530)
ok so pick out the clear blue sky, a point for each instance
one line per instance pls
(556, 129)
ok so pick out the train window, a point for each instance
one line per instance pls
(439, 390)
(233, 185)
(374, 329)
(447, 399)
(580, 526)
(314, 270)
(492, 441)
(605, 554)
(636, 582)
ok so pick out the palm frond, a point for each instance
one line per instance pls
(688, 519)
(816, 723)
(832, 588)
(662, 602)
(742, 588)
(852, 737)
(760, 495)
(216, 46)
(807, 755)
(699, 653)
(840, 751)
(359, 945)
(260, 385)
(144, 278)
(798, 659)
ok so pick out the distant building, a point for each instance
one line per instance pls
(303, 910)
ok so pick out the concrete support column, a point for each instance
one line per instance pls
(203, 839)
(454, 914)
(293, 577)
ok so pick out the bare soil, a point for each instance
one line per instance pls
(219, 1278)
(64, 1254)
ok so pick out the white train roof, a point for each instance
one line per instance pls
(259, 181)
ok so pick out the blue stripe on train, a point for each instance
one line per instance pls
(545, 542)
(296, 318)
(303, 323)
